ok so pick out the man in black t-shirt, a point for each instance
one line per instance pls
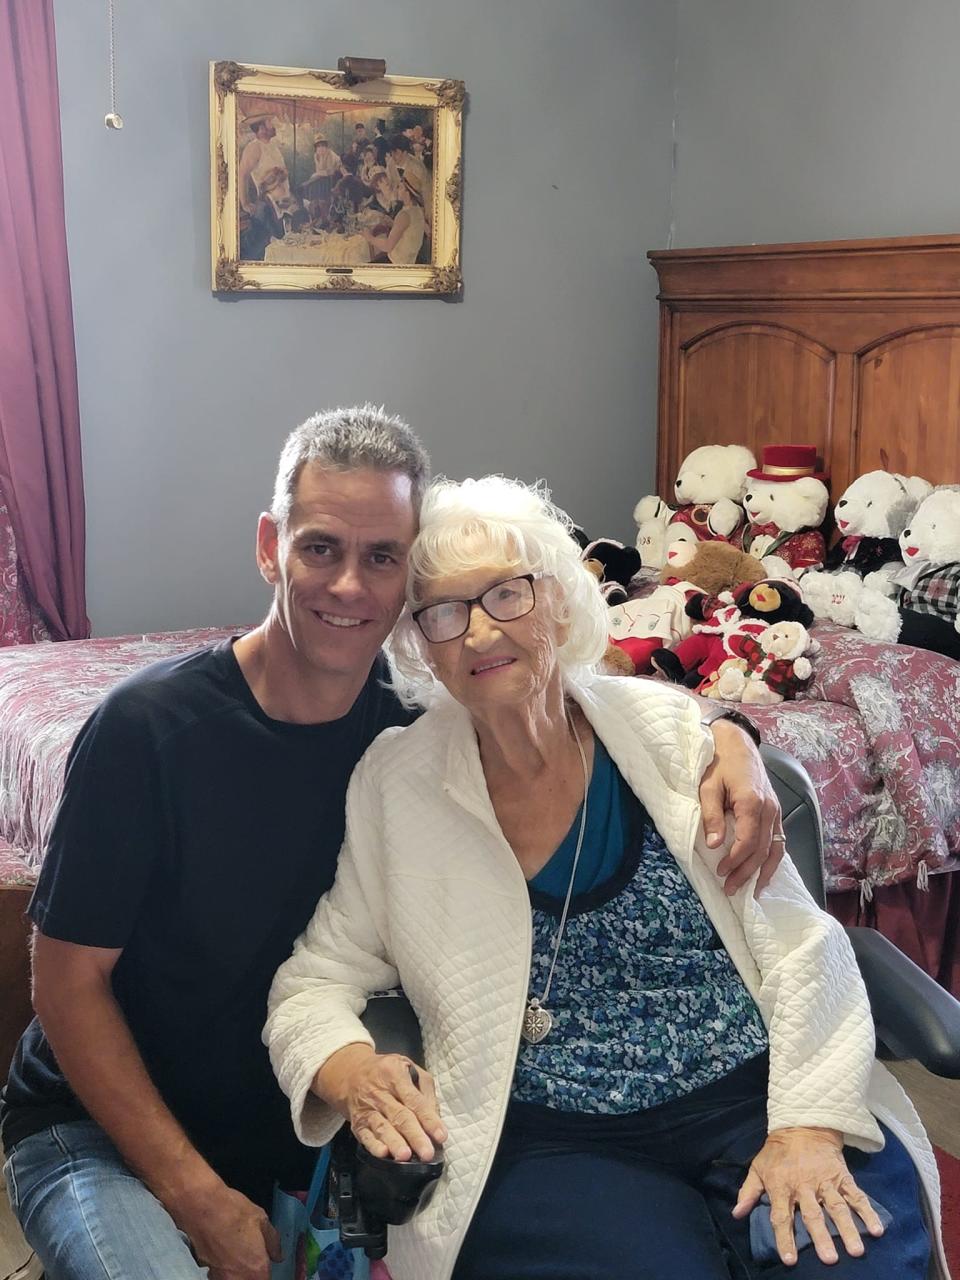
(202, 814)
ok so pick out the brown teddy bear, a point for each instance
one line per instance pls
(711, 566)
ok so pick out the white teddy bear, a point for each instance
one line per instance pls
(651, 516)
(776, 666)
(924, 611)
(870, 516)
(707, 490)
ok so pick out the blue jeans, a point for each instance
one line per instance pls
(86, 1216)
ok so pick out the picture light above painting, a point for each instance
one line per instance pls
(320, 184)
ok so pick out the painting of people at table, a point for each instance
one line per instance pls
(323, 182)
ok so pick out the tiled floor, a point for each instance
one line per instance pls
(938, 1102)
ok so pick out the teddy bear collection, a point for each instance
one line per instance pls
(743, 571)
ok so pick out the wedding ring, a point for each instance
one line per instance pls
(778, 839)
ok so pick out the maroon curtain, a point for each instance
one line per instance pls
(40, 471)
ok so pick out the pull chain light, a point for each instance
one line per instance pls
(113, 119)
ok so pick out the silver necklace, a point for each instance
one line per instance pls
(537, 1019)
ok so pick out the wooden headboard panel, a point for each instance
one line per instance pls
(852, 345)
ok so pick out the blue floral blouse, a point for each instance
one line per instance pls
(647, 1005)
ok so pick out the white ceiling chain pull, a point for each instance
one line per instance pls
(113, 119)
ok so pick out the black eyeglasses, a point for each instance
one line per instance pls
(504, 602)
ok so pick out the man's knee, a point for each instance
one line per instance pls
(87, 1216)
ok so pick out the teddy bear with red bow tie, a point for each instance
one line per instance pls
(872, 513)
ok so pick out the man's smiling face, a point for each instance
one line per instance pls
(339, 565)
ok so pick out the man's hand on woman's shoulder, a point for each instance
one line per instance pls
(736, 782)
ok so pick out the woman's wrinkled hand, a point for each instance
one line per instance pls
(390, 1102)
(805, 1169)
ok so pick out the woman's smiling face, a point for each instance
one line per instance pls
(494, 663)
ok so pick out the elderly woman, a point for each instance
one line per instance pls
(633, 1074)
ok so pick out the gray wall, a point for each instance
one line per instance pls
(547, 367)
(816, 119)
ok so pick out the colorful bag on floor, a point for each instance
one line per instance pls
(310, 1242)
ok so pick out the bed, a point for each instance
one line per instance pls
(853, 346)
(46, 693)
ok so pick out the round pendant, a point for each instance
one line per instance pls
(536, 1022)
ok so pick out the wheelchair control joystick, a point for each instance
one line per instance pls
(371, 1192)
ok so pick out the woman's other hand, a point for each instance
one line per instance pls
(805, 1169)
(390, 1102)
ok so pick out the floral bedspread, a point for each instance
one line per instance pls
(878, 731)
(46, 693)
(13, 869)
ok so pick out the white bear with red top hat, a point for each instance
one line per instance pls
(786, 500)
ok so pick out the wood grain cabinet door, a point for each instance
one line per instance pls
(755, 383)
(908, 403)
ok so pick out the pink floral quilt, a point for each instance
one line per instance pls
(878, 731)
(14, 871)
(46, 693)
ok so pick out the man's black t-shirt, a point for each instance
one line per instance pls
(196, 834)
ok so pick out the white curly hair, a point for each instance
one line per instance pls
(505, 524)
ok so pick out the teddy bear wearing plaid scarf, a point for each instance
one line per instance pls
(919, 604)
(774, 665)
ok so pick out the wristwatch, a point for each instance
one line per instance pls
(717, 711)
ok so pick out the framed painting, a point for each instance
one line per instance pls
(326, 186)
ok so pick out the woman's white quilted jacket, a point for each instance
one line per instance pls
(429, 896)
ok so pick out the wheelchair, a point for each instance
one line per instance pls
(913, 1016)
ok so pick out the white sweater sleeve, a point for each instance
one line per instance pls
(342, 957)
(813, 1000)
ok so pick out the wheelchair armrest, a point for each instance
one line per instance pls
(393, 1024)
(914, 1016)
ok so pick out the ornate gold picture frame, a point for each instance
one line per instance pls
(324, 186)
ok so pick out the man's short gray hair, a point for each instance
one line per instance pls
(346, 440)
(501, 524)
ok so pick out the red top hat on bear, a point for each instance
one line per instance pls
(784, 462)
